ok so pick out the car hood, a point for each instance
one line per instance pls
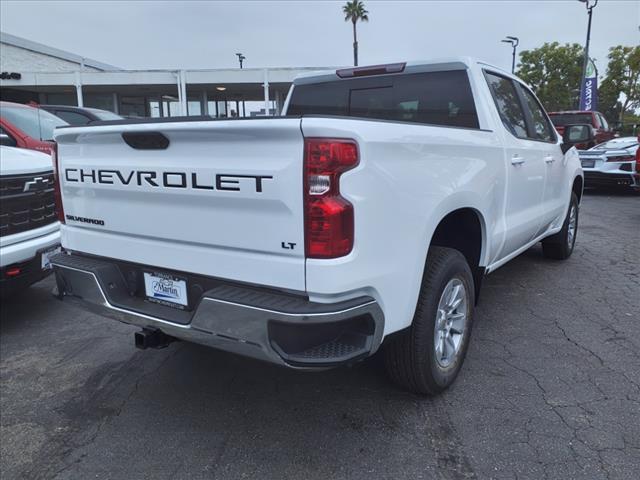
(17, 161)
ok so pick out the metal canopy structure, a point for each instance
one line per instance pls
(180, 91)
(33, 72)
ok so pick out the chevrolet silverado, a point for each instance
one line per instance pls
(365, 217)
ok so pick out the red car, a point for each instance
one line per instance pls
(602, 131)
(27, 127)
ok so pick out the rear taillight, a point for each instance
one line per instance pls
(638, 161)
(329, 225)
(57, 195)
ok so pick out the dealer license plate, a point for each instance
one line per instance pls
(45, 258)
(166, 289)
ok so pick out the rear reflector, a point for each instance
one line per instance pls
(329, 223)
(57, 193)
(12, 272)
(371, 70)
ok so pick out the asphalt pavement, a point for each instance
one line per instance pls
(550, 388)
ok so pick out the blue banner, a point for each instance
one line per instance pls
(589, 90)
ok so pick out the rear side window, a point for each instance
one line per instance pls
(506, 100)
(433, 98)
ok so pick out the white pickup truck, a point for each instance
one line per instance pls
(366, 216)
(29, 229)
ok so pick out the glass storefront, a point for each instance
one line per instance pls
(158, 105)
(103, 101)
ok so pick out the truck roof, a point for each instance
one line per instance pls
(414, 66)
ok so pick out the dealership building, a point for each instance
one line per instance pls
(33, 72)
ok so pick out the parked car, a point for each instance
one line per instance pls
(29, 228)
(80, 115)
(369, 214)
(637, 178)
(611, 163)
(602, 129)
(24, 126)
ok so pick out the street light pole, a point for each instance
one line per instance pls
(590, 6)
(514, 41)
(241, 58)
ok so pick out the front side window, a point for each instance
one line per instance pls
(603, 123)
(10, 141)
(38, 124)
(432, 98)
(542, 130)
(506, 99)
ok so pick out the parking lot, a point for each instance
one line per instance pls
(550, 388)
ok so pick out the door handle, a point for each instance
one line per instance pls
(549, 159)
(517, 160)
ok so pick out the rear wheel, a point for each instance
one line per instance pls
(560, 246)
(426, 357)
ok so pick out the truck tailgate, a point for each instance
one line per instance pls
(223, 199)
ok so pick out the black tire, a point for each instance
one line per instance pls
(560, 246)
(410, 355)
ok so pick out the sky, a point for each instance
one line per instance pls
(207, 34)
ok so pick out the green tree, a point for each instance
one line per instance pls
(620, 91)
(354, 11)
(554, 72)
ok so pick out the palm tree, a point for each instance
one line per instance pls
(354, 11)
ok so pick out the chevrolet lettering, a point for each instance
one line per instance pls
(170, 179)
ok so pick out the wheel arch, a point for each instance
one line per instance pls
(464, 229)
(578, 187)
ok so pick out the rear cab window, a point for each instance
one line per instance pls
(563, 119)
(433, 98)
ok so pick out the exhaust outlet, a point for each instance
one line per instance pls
(148, 338)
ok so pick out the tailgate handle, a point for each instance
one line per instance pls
(146, 140)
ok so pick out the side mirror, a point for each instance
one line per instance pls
(7, 141)
(576, 134)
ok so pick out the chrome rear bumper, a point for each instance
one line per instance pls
(280, 328)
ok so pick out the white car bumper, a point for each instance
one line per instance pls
(24, 246)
